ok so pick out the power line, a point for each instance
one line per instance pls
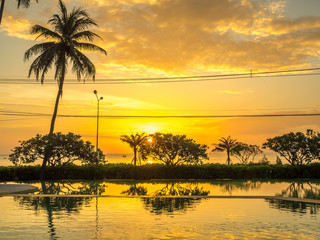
(163, 81)
(177, 79)
(27, 114)
(89, 107)
(209, 76)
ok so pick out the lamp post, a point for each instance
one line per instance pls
(95, 92)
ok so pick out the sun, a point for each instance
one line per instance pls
(149, 162)
(149, 140)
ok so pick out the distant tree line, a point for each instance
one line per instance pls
(166, 148)
(296, 148)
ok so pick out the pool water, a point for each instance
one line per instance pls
(155, 218)
(157, 209)
(297, 189)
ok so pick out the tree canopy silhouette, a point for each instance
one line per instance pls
(173, 150)
(65, 149)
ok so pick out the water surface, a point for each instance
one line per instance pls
(145, 218)
(297, 189)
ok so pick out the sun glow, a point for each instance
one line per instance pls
(151, 129)
(149, 162)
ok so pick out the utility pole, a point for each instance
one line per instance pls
(98, 99)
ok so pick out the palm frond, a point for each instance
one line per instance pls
(24, 3)
(85, 35)
(37, 49)
(87, 68)
(42, 63)
(45, 32)
(89, 47)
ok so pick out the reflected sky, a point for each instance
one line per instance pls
(159, 217)
(297, 189)
(133, 218)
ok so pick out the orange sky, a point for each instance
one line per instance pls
(167, 38)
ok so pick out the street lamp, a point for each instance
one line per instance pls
(95, 92)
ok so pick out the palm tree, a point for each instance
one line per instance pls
(134, 140)
(23, 3)
(225, 144)
(63, 47)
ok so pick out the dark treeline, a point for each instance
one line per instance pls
(154, 171)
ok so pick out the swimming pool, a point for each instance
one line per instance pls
(146, 218)
(157, 216)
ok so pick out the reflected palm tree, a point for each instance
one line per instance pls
(70, 205)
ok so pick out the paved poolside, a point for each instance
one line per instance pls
(16, 188)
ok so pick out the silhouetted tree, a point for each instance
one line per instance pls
(135, 141)
(225, 145)
(173, 149)
(63, 46)
(64, 150)
(23, 3)
(297, 148)
(244, 151)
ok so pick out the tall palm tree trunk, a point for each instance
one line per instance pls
(228, 160)
(47, 152)
(1, 9)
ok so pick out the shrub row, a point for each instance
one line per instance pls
(127, 171)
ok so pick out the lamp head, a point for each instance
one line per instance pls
(101, 98)
(95, 91)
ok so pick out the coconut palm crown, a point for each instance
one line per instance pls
(134, 140)
(23, 3)
(62, 48)
(225, 145)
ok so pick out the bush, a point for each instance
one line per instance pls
(157, 171)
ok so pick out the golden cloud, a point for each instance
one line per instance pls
(183, 36)
(229, 92)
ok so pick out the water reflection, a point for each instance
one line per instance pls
(298, 207)
(302, 190)
(164, 198)
(73, 188)
(61, 205)
(158, 204)
(136, 190)
(231, 186)
(170, 206)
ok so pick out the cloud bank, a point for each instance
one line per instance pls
(190, 36)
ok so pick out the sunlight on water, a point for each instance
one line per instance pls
(151, 218)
